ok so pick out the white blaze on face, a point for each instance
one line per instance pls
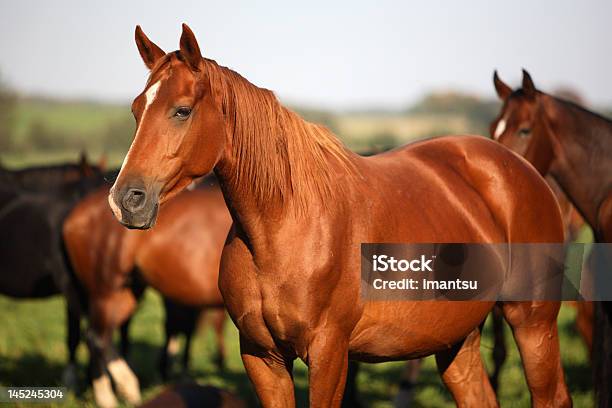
(499, 130)
(149, 98)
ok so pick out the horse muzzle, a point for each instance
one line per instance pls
(134, 206)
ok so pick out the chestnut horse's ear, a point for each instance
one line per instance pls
(190, 49)
(149, 52)
(503, 90)
(528, 87)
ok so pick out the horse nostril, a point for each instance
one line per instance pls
(134, 200)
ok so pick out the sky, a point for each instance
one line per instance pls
(317, 53)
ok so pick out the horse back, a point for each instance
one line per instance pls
(466, 189)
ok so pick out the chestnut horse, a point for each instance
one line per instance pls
(302, 204)
(574, 147)
(180, 258)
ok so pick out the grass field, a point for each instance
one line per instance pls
(32, 352)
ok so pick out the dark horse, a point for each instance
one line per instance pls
(180, 258)
(33, 205)
(47, 178)
(302, 204)
(574, 147)
(184, 319)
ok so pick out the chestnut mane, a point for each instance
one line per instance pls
(281, 156)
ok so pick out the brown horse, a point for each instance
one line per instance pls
(564, 140)
(574, 147)
(302, 204)
(180, 258)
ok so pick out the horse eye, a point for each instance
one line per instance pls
(523, 132)
(183, 112)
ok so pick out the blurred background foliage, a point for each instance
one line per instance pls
(35, 129)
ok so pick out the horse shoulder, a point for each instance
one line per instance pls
(242, 292)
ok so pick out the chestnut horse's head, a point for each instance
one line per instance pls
(522, 125)
(180, 132)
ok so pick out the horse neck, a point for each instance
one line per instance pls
(276, 165)
(583, 152)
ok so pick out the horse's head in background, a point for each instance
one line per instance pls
(180, 133)
(522, 125)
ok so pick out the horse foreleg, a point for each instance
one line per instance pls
(187, 351)
(602, 353)
(124, 333)
(119, 308)
(271, 375)
(464, 374)
(499, 345)
(169, 347)
(534, 325)
(137, 289)
(100, 381)
(73, 316)
(405, 394)
(351, 397)
(106, 314)
(584, 323)
(219, 318)
(327, 369)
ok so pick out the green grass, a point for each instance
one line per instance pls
(32, 352)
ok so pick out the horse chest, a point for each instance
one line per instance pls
(265, 308)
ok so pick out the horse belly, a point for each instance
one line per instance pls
(402, 330)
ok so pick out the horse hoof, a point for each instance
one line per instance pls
(125, 380)
(103, 392)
